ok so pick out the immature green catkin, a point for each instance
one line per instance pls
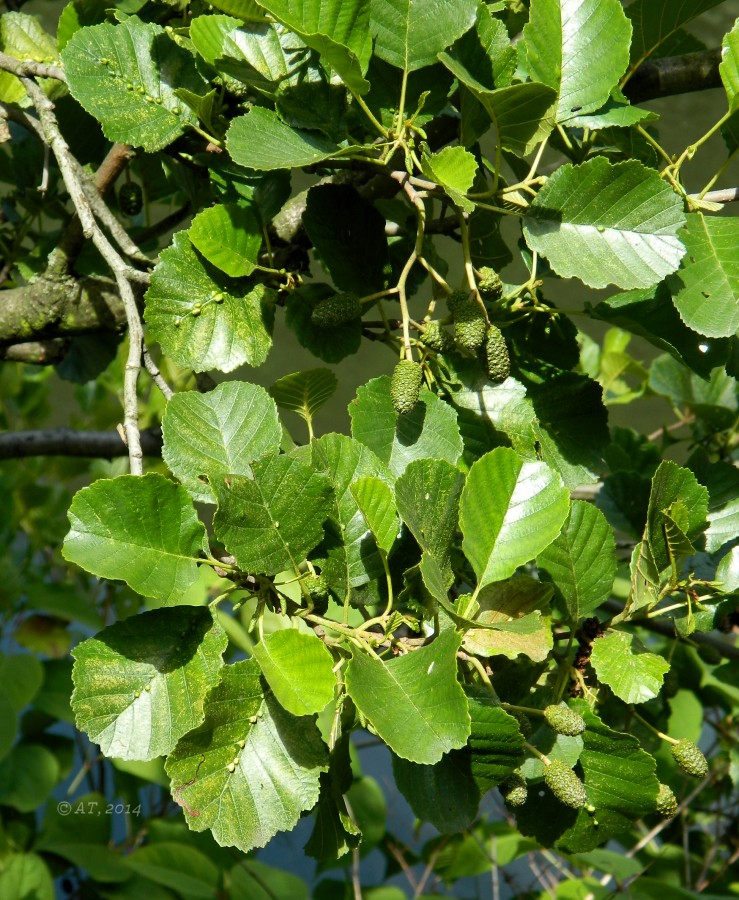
(666, 802)
(470, 326)
(497, 360)
(336, 310)
(564, 720)
(490, 285)
(514, 789)
(436, 337)
(565, 785)
(457, 299)
(406, 385)
(689, 758)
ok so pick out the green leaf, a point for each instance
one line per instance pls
(28, 775)
(250, 879)
(251, 768)
(650, 313)
(229, 236)
(510, 511)
(427, 494)
(271, 521)
(580, 49)
(615, 114)
(429, 431)
(523, 114)
(126, 76)
(249, 10)
(581, 561)
(26, 875)
(483, 57)
(714, 401)
(518, 610)
(21, 677)
(377, 504)
(444, 794)
(607, 224)
(141, 683)
(353, 559)
(305, 392)
(729, 67)
(329, 344)
(141, 530)
(349, 234)
(218, 433)
(706, 288)
(414, 702)
(672, 483)
(203, 319)
(173, 865)
(654, 21)
(727, 571)
(454, 169)
(298, 668)
(722, 480)
(23, 37)
(336, 29)
(410, 33)
(260, 140)
(623, 663)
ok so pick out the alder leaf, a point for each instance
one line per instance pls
(218, 433)
(126, 76)
(672, 483)
(427, 495)
(414, 702)
(607, 224)
(523, 114)
(377, 504)
(298, 668)
(483, 58)
(251, 768)
(655, 21)
(141, 530)
(272, 520)
(203, 319)
(229, 236)
(705, 290)
(621, 661)
(454, 168)
(305, 392)
(729, 67)
(140, 684)
(510, 510)
(578, 47)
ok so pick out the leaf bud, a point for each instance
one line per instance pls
(405, 386)
(337, 310)
(689, 758)
(564, 720)
(565, 785)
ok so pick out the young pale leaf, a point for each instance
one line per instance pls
(607, 224)
(349, 234)
(270, 522)
(203, 319)
(519, 610)
(672, 483)
(336, 29)
(580, 49)
(523, 114)
(454, 169)
(410, 33)
(140, 684)
(377, 504)
(581, 561)
(509, 512)
(126, 76)
(141, 530)
(261, 140)
(304, 392)
(218, 433)
(729, 67)
(353, 560)
(706, 288)
(251, 768)
(427, 495)
(483, 58)
(622, 662)
(229, 236)
(298, 668)
(429, 431)
(414, 702)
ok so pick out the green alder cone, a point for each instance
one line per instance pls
(436, 337)
(690, 759)
(317, 587)
(456, 300)
(564, 720)
(497, 360)
(337, 310)
(130, 198)
(666, 802)
(470, 326)
(565, 785)
(514, 790)
(490, 284)
(406, 385)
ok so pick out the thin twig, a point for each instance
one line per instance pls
(24, 68)
(71, 442)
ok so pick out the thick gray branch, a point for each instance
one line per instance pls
(675, 75)
(68, 442)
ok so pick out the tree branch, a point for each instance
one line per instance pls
(68, 442)
(674, 75)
